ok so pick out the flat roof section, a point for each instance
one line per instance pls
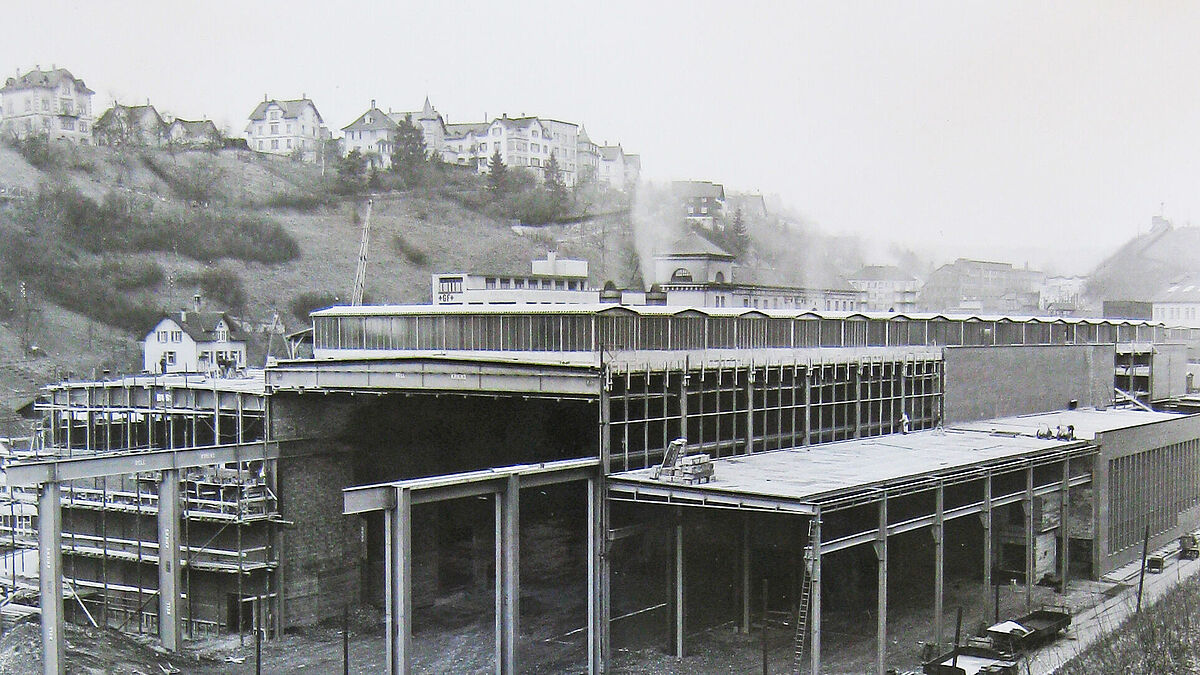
(250, 382)
(809, 475)
(1087, 421)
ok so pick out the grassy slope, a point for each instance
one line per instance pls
(450, 236)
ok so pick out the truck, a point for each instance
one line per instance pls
(968, 660)
(1026, 632)
(1189, 547)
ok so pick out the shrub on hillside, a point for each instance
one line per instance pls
(298, 202)
(410, 252)
(200, 234)
(307, 302)
(220, 284)
(38, 151)
(128, 275)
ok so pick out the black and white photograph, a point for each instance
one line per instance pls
(817, 337)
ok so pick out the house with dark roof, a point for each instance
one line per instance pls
(194, 342)
(703, 202)
(887, 288)
(429, 121)
(52, 102)
(292, 127)
(131, 125)
(1178, 302)
(194, 134)
(373, 134)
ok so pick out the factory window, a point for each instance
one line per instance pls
(490, 282)
(504, 283)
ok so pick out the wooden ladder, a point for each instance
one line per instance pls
(805, 598)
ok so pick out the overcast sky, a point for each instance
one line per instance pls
(1000, 130)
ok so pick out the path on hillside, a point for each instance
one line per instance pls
(1090, 625)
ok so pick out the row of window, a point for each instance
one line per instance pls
(544, 284)
(274, 130)
(165, 336)
(64, 106)
(542, 332)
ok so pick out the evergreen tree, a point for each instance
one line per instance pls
(352, 172)
(555, 186)
(740, 241)
(409, 153)
(497, 175)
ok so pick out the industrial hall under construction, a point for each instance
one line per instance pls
(706, 461)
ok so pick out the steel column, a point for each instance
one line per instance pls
(50, 556)
(939, 561)
(815, 611)
(679, 585)
(398, 533)
(745, 573)
(1063, 507)
(881, 609)
(508, 584)
(169, 576)
(1029, 539)
(596, 543)
(986, 518)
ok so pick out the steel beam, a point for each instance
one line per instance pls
(745, 574)
(380, 497)
(51, 574)
(986, 519)
(1064, 506)
(169, 576)
(94, 466)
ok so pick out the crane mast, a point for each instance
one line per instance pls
(360, 274)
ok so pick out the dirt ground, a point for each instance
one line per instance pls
(455, 636)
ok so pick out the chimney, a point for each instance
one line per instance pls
(183, 314)
(196, 302)
(372, 104)
(264, 98)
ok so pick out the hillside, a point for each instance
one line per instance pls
(253, 234)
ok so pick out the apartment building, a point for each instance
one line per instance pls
(292, 128)
(52, 102)
(887, 288)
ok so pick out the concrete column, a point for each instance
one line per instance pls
(679, 585)
(745, 574)
(1028, 501)
(169, 576)
(815, 611)
(939, 562)
(50, 575)
(596, 543)
(881, 611)
(750, 378)
(397, 525)
(508, 584)
(1063, 507)
(605, 586)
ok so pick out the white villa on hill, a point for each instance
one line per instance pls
(52, 102)
(286, 128)
(194, 342)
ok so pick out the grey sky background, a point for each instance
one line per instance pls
(1006, 130)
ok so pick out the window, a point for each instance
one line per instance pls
(176, 336)
(162, 336)
(490, 282)
(169, 358)
(504, 283)
(274, 144)
(518, 283)
(289, 128)
(83, 126)
(274, 114)
(68, 124)
(289, 142)
(45, 105)
(260, 145)
(274, 129)
(682, 274)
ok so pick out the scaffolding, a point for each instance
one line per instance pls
(228, 511)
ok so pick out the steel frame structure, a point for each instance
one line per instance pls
(396, 500)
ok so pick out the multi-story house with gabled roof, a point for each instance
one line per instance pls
(133, 125)
(52, 102)
(429, 121)
(294, 128)
(373, 134)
